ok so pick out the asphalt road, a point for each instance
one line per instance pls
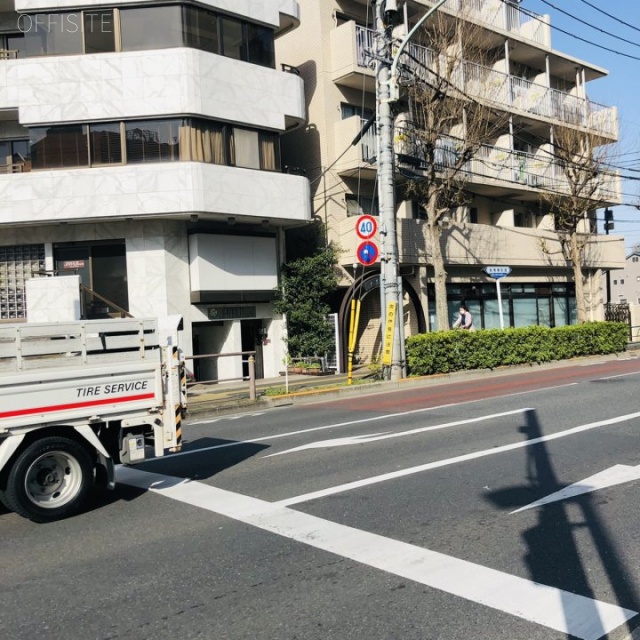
(405, 515)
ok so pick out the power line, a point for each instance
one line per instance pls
(609, 15)
(588, 24)
(573, 35)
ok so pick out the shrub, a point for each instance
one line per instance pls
(447, 351)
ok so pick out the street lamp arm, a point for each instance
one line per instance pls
(403, 45)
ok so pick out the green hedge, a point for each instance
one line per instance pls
(445, 351)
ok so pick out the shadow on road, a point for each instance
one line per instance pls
(199, 461)
(553, 557)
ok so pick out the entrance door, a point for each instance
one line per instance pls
(102, 269)
(544, 311)
(252, 341)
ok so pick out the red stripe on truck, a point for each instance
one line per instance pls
(75, 405)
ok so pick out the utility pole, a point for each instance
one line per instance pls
(388, 92)
(386, 14)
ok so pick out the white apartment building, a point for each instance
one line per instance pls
(504, 221)
(140, 149)
(625, 285)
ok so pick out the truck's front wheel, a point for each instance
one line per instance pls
(49, 480)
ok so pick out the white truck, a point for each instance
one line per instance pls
(76, 398)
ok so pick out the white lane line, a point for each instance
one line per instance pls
(621, 375)
(365, 482)
(212, 420)
(375, 437)
(616, 475)
(339, 425)
(556, 609)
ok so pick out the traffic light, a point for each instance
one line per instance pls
(608, 220)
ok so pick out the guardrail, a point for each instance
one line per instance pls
(251, 362)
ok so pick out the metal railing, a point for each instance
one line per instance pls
(251, 369)
(483, 82)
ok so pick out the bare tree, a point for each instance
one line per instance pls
(582, 185)
(453, 111)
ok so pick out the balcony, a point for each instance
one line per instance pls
(479, 244)
(362, 156)
(175, 190)
(351, 67)
(351, 61)
(154, 83)
(504, 16)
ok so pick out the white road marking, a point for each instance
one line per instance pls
(212, 420)
(618, 474)
(556, 609)
(375, 437)
(278, 436)
(621, 375)
(365, 482)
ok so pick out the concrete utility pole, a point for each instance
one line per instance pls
(387, 92)
(386, 14)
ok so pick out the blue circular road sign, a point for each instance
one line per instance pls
(367, 253)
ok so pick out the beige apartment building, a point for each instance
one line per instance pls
(625, 285)
(503, 221)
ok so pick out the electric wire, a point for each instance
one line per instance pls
(609, 15)
(588, 24)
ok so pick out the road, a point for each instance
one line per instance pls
(488, 508)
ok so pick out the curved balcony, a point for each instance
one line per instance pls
(74, 88)
(155, 190)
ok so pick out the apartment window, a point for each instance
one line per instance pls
(634, 259)
(233, 39)
(106, 143)
(152, 141)
(357, 206)
(615, 282)
(52, 33)
(350, 110)
(60, 146)
(418, 211)
(99, 31)
(245, 149)
(13, 42)
(622, 281)
(473, 215)
(261, 45)
(14, 156)
(187, 139)
(201, 29)
(151, 28)
(522, 219)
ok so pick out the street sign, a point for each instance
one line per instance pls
(387, 351)
(366, 227)
(497, 272)
(367, 253)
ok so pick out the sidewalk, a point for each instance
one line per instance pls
(233, 397)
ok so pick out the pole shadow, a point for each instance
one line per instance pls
(552, 554)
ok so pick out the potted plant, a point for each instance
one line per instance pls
(315, 369)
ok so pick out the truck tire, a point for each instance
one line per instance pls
(50, 479)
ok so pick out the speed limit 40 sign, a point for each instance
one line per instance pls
(366, 227)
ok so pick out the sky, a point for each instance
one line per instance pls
(621, 88)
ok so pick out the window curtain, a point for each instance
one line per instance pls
(268, 156)
(200, 142)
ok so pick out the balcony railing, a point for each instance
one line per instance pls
(495, 86)
(504, 16)
(498, 164)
